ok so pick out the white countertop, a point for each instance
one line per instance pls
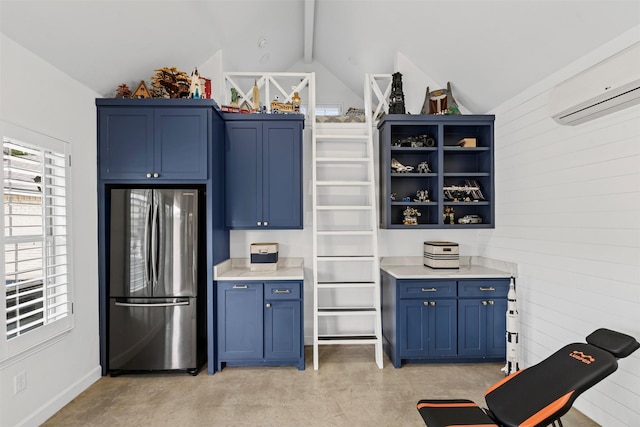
(240, 269)
(470, 267)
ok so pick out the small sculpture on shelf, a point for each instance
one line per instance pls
(440, 101)
(448, 216)
(422, 196)
(423, 167)
(411, 216)
(195, 90)
(396, 104)
(123, 91)
(399, 167)
(393, 197)
(174, 82)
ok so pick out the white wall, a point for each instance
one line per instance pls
(568, 212)
(41, 98)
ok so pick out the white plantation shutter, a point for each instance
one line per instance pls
(36, 263)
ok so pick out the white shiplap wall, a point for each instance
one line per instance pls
(568, 212)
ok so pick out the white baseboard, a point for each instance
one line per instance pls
(40, 415)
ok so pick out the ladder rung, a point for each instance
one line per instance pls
(329, 285)
(343, 183)
(354, 137)
(345, 233)
(347, 258)
(342, 159)
(346, 339)
(347, 311)
(343, 208)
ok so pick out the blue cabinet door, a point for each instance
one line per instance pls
(243, 175)
(414, 329)
(427, 328)
(482, 325)
(282, 183)
(472, 320)
(125, 137)
(496, 328)
(180, 143)
(443, 331)
(263, 164)
(282, 330)
(240, 322)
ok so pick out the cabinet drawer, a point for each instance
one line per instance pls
(281, 290)
(495, 288)
(427, 288)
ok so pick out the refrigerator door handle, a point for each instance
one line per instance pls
(154, 244)
(159, 304)
(147, 243)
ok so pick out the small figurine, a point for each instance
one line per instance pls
(393, 197)
(195, 90)
(423, 167)
(141, 91)
(422, 196)
(296, 102)
(396, 104)
(123, 91)
(448, 216)
(399, 167)
(411, 216)
(440, 102)
(256, 96)
(234, 97)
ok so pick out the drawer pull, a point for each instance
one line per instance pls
(429, 290)
(490, 288)
(282, 291)
(491, 302)
(240, 286)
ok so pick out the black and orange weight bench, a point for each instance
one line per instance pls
(541, 394)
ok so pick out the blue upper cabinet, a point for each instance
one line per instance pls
(153, 140)
(263, 178)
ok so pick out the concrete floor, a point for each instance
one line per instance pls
(347, 390)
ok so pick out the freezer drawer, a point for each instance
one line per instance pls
(152, 334)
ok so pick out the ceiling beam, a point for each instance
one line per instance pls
(309, 17)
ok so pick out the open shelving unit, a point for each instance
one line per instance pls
(459, 179)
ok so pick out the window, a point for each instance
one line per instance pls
(37, 290)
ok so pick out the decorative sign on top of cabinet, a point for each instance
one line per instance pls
(263, 171)
(436, 171)
(153, 139)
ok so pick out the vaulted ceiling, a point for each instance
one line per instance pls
(489, 50)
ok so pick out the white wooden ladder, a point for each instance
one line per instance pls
(346, 272)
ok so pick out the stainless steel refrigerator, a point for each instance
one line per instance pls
(154, 321)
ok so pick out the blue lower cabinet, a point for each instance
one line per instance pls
(436, 320)
(259, 324)
(428, 328)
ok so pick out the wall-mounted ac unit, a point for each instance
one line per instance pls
(608, 86)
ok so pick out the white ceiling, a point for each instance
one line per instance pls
(489, 50)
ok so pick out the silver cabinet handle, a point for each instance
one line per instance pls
(490, 288)
(282, 291)
(484, 303)
(240, 286)
(155, 175)
(266, 223)
(259, 223)
(432, 303)
(429, 290)
(426, 303)
(491, 302)
(148, 175)
(268, 305)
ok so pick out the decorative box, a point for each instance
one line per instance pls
(264, 256)
(441, 255)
